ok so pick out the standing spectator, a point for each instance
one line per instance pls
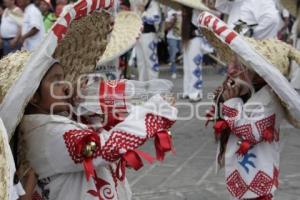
(232, 8)
(49, 17)
(173, 26)
(262, 17)
(11, 23)
(194, 47)
(146, 48)
(33, 29)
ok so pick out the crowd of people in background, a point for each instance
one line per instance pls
(169, 36)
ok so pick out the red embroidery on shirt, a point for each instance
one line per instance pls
(245, 132)
(266, 124)
(118, 143)
(71, 137)
(154, 123)
(236, 185)
(229, 112)
(261, 184)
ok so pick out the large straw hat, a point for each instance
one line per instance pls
(4, 165)
(291, 6)
(129, 27)
(269, 58)
(77, 40)
(8, 189)
(177, 4)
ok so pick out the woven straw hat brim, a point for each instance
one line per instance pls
(5, 156)
(83, 44)
(127, 29)
(177, 4)
(4, 170)
(291, 6)
(11, 67)
(264, 57)
(16, 94)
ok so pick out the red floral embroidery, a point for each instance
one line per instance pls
(261, 184)
(71, 137)
(229, 112)
(118, 143)
(236, 185)
(245, 132)
(265, 125)
(154, 123)
(276, 177)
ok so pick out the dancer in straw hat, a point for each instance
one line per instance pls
(70, 160)
(255, 100)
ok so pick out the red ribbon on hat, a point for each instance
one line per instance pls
(220, 126)
(268, 134)
(132, 159)
(88, 160)
(244, 147)
(163, 144)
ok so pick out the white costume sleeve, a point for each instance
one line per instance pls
(152, 15)
(59, 153)
(252, 121)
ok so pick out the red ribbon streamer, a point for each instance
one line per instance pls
(163, 144)
(88, 162)
(88, 168)
(132, 159)
(220, 126)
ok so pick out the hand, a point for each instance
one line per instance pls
(13, 43)
(22, 39)
(231, 90)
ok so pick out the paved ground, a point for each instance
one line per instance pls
(190, 175)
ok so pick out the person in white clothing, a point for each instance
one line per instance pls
(232, 8)
(59, 157)
(249, 109)
(11, 23)
(146, 47)
(173, 26)
(262, 17)
(33, 30)
(194, 47)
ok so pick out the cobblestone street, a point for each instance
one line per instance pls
(190, 174)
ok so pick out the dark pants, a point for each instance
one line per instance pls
(6, 47)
